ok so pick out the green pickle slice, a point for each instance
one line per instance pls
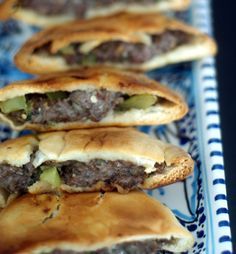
(68, 50)
(14, 104)
(51, 176)
(89, 59)
(140, 101)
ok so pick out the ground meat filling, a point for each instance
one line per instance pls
(17, 179)
(76, 8)
(122, 173)
(122, 52)
(76, 106)
(78, 174)
(18, 117)
(136, 247)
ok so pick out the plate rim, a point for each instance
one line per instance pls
(209, 140)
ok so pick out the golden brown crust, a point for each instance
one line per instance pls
(122, 26)
(131, 28)
(111, 79)
(7, 10)
(179, 166)
(112, 144)
(87, 222)
(99, 77)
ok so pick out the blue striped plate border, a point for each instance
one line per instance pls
(210, 143)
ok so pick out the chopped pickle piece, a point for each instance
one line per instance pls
(29, 109)
(141, 101)
(69, 50)
(89, 59)
(51, 176)
(14, 104)
(57, 95)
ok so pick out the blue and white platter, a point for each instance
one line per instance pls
(200, 202)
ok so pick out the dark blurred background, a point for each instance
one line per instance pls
(224, 21)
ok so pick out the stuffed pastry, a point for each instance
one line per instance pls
(88, 98)
(52, 12)
(128, 41)
(105, 159)
(93, 223)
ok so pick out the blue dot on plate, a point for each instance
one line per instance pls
(201, 209)
(200, 245)
(192, 227)
(202, 219)
(200, 234)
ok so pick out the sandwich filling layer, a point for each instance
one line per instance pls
(77, 8)
(135, 247)
(79, 105)
(120, 51)
(113, 174)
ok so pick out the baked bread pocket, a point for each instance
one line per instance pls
(47, 13)
(89, 97)
(127, 41)
(108, 159)
(91, 223)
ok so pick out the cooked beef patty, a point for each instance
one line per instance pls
(78, 174)
(17, 179)
(122, 173)
(122, 52)
(136, 247)
(76, 106)
(77, 8)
